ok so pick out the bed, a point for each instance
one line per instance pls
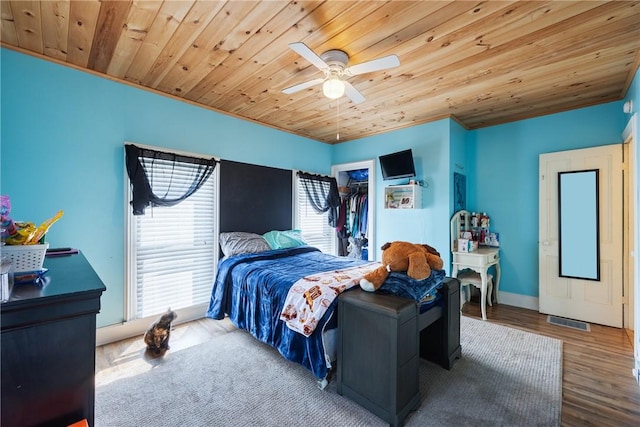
(253, 290)
(253, 279)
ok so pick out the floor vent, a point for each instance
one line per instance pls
(569, 323)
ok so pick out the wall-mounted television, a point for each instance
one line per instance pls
(397, 165)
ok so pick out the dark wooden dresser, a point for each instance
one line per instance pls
(48, 344)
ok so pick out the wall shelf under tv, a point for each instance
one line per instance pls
(403, 196)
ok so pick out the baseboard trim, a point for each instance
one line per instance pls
(517, 300)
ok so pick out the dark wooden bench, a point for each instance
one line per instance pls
(380, 341)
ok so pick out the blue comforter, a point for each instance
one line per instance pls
(252, 288)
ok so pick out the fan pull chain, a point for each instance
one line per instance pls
(338, 119)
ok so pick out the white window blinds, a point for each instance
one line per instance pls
(172, 262)
(314, 227)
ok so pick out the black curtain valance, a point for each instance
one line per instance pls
(163, 179)
(322, 193)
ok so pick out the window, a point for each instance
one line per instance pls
(172, 249)
(314, 227)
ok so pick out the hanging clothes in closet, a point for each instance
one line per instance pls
(342, 231)
(358, 215)
(353, 217)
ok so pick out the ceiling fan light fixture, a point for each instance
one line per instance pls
(334, 64)
(333, 88)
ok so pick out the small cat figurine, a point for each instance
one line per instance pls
(157, 336)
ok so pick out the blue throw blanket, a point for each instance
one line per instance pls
(424, 292)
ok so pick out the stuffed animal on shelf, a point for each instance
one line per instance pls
(417, 260)
(157, 336)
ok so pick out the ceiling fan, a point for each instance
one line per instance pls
(333, 63)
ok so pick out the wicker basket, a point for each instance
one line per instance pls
(25, 257)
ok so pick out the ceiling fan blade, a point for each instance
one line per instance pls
(301, 86)
(304, 51)
(353, 93)
(373, 65)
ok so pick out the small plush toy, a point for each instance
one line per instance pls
(417, 260)
(355, 247)
(157, 336)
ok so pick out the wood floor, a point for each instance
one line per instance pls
(597, 386)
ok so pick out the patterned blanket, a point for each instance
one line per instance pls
(309, 297)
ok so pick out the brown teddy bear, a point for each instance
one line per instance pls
(417, 260)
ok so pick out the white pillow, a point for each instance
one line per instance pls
(240, 242)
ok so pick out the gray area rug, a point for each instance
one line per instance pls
(506, 377)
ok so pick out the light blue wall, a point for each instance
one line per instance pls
(505, 181)
(458, 157)
(62, 138)
(430, 146)
(62, 134)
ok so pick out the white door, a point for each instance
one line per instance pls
(587, 300)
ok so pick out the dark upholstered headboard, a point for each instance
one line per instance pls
(255, 199)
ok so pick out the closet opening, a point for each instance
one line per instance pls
(353, 236)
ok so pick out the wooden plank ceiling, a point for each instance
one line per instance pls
(482, 63)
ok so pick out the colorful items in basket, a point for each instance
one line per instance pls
(22, 233)
(8, 226)
(34, 277)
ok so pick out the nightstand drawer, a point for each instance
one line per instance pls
(479, 258)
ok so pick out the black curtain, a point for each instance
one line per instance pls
(154, 176)
(322, 193)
